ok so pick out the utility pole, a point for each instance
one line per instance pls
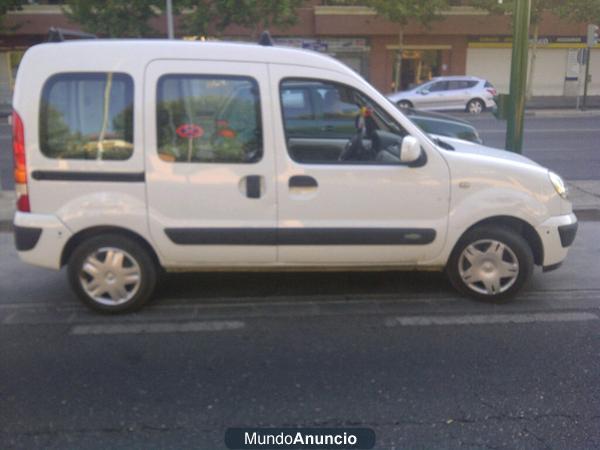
(592, 40)
(170, 32)
(518, 75)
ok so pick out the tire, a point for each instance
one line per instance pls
(404, 104)
(475, 106)
(125, 273)
(478, 249)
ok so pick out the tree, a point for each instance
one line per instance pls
(538, 7)
(583, 11)
(6, 6)
(256, 15)
(114, 18)
(402, 12)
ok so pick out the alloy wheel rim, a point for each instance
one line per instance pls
(488, 267)
(475, 107)
(110, 276)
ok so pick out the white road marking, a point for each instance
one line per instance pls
(164, 327)
(481, 319)
(549, 130)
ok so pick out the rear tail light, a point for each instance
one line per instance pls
(492, 91)
(20, 164)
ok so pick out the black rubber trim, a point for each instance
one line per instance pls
(26, 238)
(67, 175)
(567, 233)
(222, 236)
(302, 181)
(551, 267)
(301, 236)
(253, 186)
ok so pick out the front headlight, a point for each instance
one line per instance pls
(558, 183)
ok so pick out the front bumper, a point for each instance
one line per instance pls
(40, 239)
(557, 234)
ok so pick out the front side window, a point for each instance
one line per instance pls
(87, 116)
(438, 86)
(327, 123)
(208, 119)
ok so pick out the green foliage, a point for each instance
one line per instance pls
(254, 14)
(6, 6)
(404, 11)
(9, 5)
(586, 11)
(576, 10)
(115, 18)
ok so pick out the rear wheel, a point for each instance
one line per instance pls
(112, 273)
(404, 104)
(490, 263)
(475, 106)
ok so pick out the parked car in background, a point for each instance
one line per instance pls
(471, 94)
(443, 125)
(313, 109)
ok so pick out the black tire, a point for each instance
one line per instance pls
(148, 271)
(513, 241)
(475, 106)
(404, 104)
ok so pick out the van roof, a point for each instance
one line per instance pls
(144, 50)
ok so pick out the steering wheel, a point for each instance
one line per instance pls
(355, 149)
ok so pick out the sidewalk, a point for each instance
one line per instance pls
(584, 194)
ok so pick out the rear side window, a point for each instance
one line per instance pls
(461, 84)
(87, 116)
(208, 119)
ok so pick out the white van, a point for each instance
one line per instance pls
(133, 156)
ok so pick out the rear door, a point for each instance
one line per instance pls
(459, 93)
(209, 163)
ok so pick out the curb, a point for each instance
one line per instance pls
(562, 113)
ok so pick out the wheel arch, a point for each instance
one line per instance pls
(87, 233)
(517, 225)
(403, 100)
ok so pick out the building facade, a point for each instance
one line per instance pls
(465, 41)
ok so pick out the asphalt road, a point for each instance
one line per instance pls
(567, 145)
(396, 352)
(560, 143)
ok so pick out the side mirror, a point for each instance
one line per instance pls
(410, 150)
(424, 91)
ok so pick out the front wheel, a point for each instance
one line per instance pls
(404, 104)
(112, 273)
(475, 106)
(490, 263)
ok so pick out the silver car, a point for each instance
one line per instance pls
(470, 94)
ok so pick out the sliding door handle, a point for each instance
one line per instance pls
(253, 186)
(302, 181)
